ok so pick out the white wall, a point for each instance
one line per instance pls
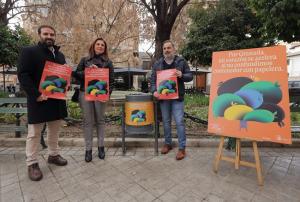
(294, 65)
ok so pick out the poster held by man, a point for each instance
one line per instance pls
(55, 80)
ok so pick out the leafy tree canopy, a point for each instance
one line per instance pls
(11, 41)
(228, 25)
(281, 18)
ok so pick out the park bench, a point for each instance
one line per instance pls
(295, 107)
(17, 107)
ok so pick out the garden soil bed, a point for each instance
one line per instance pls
(115, 130)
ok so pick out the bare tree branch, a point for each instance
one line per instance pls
(165, 16)
(110, 25)
(79, 22)
(10, 9)
(150, 9)
(151, 46)
(135, 2)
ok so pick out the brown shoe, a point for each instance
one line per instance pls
(57, 160)
(34, 172)
(180, 154)
(166, 148)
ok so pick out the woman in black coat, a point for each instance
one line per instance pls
(93, 111)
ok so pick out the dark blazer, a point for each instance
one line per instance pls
(181, 65)
(30, 68)
(99, 61)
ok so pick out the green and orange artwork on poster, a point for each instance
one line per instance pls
(139, 113)
(55, 80)
(96, 82)
(249, 95)
(167, 84)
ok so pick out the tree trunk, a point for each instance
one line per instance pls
(164, 13)
(4, 87)
(3, 20)
(163, 33)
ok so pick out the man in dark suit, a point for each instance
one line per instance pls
(41, 110)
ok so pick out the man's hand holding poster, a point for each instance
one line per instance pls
(55, 80)
(167, 84)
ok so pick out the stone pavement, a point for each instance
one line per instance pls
(142, 176)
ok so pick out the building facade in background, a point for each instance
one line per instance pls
(293, 57)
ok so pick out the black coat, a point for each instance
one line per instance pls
(100, 62)
(30, 68)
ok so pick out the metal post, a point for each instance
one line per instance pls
(18, 122)
(155, 127)
(129, 78)
(4, 87)
(196, 78)
(123, 130)
(42, 141)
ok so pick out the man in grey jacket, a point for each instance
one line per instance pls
(172, 107)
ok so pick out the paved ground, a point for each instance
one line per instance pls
(142, 176)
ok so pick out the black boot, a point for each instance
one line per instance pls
(101, 152)
(88, 155)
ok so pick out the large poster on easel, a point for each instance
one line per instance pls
(249, 95)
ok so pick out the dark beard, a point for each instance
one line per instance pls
(48, 42)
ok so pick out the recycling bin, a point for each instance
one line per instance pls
(139, 117)
(139, 113)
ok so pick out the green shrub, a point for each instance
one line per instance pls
(74, 110)
(197, 105)
(196, 100)
(295, 117)
(3, 94)
(7, 118)
(114, 111)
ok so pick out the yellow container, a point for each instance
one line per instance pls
(140, 113)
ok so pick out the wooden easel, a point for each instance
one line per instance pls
(237, 160)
